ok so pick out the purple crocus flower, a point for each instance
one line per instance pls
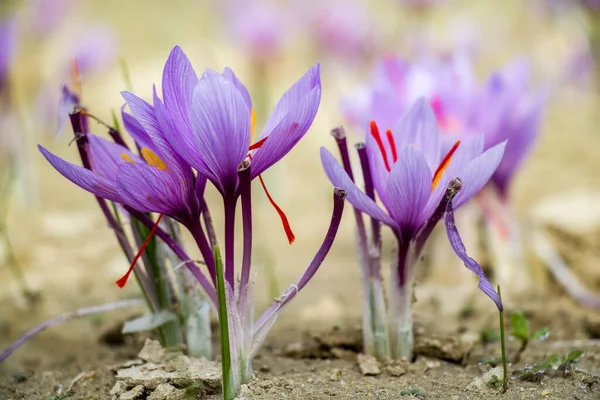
(212, 120)
(342, 28)
(8, 47)
(503, 109)
(159, 182)
(414, 174)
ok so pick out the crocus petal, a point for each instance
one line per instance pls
(419, 127)
(221, 121)
(178, 82)
(459, 248)
(468, 150)
(293, 97)
(339, 178)
(83, 178)
(379, 173)
(477, 173)
(149, 189)
(228, 73)
(133, 127)
(106, 156)
(522, 133)
(408, 189)
(288, 132)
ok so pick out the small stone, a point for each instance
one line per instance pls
(164, 391)
(481, 382)
(310, 380)
(545, 392)
(335, 375)
(153, 352)
(429, 365)
(344, 354)
(368, 365)
(395, 370)
(449, 348)
(119, 388)
(133, 394)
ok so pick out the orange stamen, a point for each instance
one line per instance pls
(252, 123)
(153, 159)
(123, 280)
(258, 144)
(443, 165)
(390, 139)
(126, 157)
(377, 137)
(284, 220)
(76, 77)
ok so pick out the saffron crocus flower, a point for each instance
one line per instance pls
(415, 176)
(505, 108)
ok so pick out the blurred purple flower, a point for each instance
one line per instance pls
(8, 47)
(505, 108)
(342, 28)
(94, 49)
(47, 15)
(260, 28)
(411, 169)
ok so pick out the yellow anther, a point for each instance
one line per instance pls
(153, 159)
(126, 157)
(252, 123)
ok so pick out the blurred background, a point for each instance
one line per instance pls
(55, 231)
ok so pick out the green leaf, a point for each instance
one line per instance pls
(542, 334)
(573, 356)
(223, 327)
(489, 335)
(520, 326)
(413, 392)
(148, 322)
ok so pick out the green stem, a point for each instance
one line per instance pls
(223, 327)
(503, 346)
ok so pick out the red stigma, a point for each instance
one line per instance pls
(390, 139)
(377, 137)
(443, 165)
(258, 144)
(282, 216)
(123, 280)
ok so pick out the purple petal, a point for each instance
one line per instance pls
(477, 173)
(221, 121)
(288, 132)
(106, 156)
(467, 151)
(293, 97)
(408, 189)
(149, 189)
(521, 134)
(461, 252)
(419, 127)
(339, 178)
(178, 83)
(228, 73)
(82, 177)
(133, 127)
(8, 46)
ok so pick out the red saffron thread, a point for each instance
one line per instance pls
(123, 280)
(377, 137)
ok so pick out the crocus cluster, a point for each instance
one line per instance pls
(419, 179)
(201, 131)
(504, 108)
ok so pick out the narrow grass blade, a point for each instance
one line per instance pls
(223, 327)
